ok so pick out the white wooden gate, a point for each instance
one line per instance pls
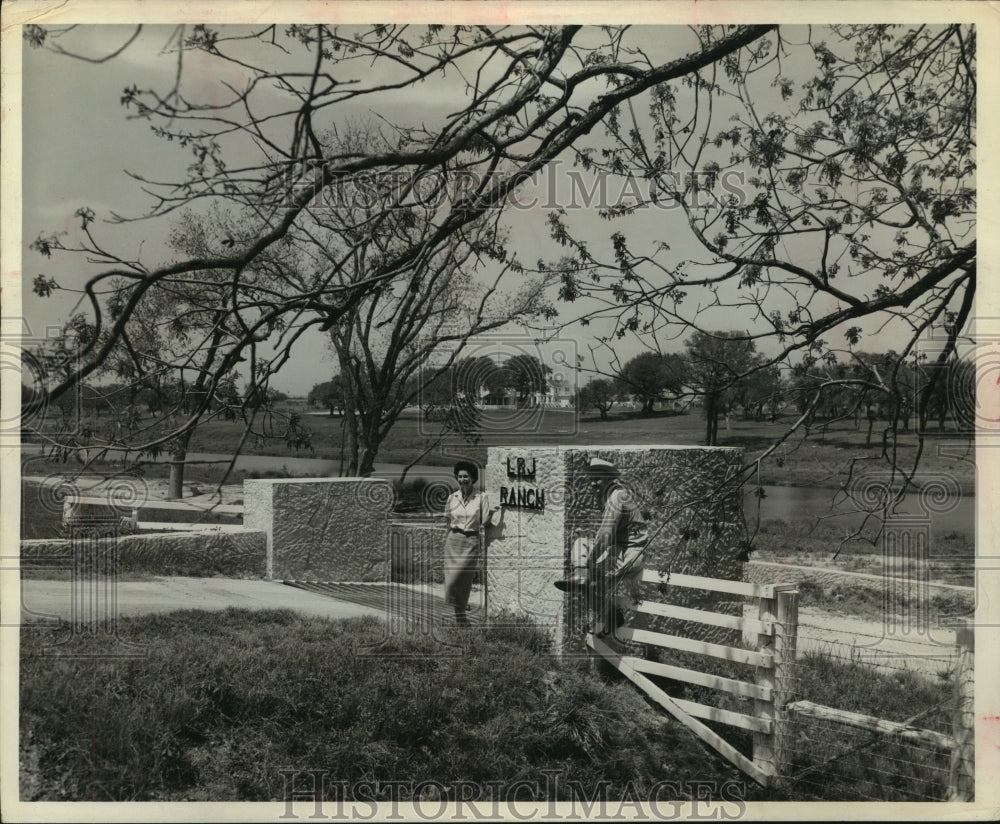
(775, 631)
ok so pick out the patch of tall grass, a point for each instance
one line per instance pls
(224, 701)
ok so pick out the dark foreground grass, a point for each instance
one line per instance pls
(222, 702)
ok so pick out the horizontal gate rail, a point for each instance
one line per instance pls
(701, 616)
(704, 679)
(709, 736)
(808, 709)
(661, 639)
(676, 579)
(774, 628)
(733, 719)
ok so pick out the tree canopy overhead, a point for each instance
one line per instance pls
(817, 181)
(818, 201)
(819, 184)
(523, 96)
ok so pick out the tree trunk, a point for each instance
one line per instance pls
(711, 420)
(176, 484)
(369, 440)
(366, 461)
(343, 445)
(351, 439)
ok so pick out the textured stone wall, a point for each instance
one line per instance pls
(695, 520)
(203, 554)
(528, 552)
(322, 529)
(693, 508)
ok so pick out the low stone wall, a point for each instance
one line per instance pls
(322, 529)
(193, 554)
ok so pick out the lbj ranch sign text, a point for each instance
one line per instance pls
(521, 497)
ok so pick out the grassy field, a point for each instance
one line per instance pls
(819, 457)
(206, 716)
(815, 459)
(801, 541)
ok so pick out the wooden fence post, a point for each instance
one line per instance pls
(771, 750)
(763, 742)
(786, 637)
(962, 775)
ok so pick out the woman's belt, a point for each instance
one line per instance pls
(468, 533)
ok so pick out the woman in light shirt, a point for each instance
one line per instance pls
(466, 512)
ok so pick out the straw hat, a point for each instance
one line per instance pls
(601, 466)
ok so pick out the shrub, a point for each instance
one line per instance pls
(418, 495)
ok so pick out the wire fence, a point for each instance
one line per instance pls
(861, 710)
(871, 715)
(836, 763)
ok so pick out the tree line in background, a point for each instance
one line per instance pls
(724, 375)
(516, 380)
(450, 397)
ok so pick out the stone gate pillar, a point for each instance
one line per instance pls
(322, 529)
(694, 512)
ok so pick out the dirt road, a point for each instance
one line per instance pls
(887, 646)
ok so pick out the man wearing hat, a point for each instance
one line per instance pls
(618, 550)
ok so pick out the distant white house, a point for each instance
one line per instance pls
(558, 395)
(506, 398)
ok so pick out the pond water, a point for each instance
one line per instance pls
(948, 513)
